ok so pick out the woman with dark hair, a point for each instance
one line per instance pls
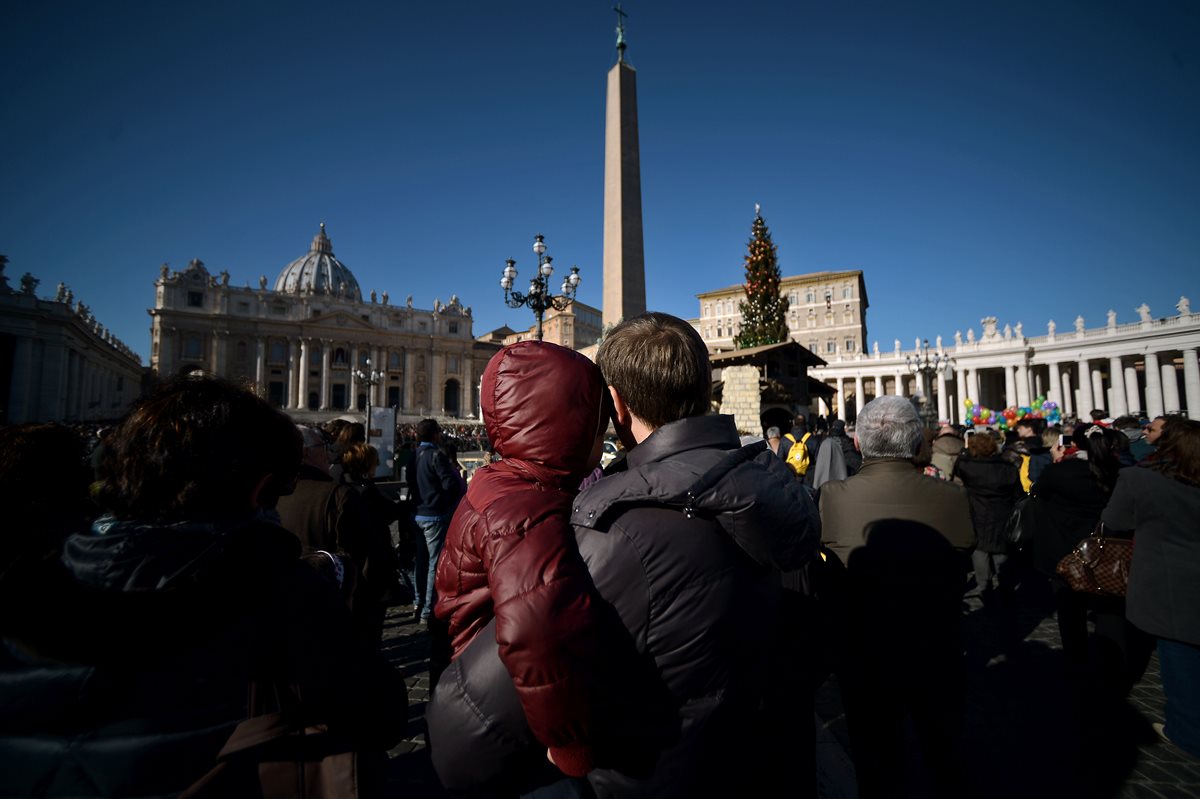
(993, 486)
(1160, 502)
(380, 567)
(1070, 495)
(178, 604)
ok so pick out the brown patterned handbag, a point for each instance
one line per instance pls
(1099, 564)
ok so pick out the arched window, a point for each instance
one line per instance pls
(339, 357)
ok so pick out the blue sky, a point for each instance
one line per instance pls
(1028, 160)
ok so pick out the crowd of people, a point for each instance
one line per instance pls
(202, 599)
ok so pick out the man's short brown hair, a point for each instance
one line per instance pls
(659, 365)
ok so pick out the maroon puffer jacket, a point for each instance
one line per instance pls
(511, 552)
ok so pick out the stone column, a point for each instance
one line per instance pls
(217, 357)
(260, 365)
(900, 384)
(304, 370)
(379, 364)
(943, 404)
(858, 395)
(1055, 394)
(326, 357)
(1191, 383)
(352, 400)
(1154, 390)
(1067, 403)
(975, 385)
(1170, 385)
(1132, 396)
(22, 397)
(841, 398)
(293, 375)
(964, 386)
(1023, 398)
(1084, 379)
(408, 382)
(1010, 386)
(1098, 393)
(1116, 377)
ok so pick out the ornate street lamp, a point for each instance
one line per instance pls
(369, 378)
(926, 365)
(539, 298)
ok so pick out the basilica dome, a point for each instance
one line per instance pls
(319, 272)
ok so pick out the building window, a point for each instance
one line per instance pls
(849, 317)
(847, 292)
(279, 309)
(811, 296)
(314, 358)
(452, 364)
(453, 326)
(315, 312)
(278, 352)
(707, 308)
(195, 299)
(422, 327)
(362, 359)
(849, 345)
(794, 298)
(393, 360)
(812, 346)
(830, 346)
(243, 308)
(339, 357)
(718, 331)
(829, 317)
(240, 355)
(192, 347)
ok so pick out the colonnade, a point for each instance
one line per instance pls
(1151, 383)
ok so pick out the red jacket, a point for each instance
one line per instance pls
(510, 551)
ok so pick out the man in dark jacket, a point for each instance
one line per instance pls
(686, 545)
(902, 536)
(436, 491)
(850, 453)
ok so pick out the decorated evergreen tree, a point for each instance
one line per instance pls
(764, 311)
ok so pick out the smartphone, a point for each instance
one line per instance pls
(1062, 441)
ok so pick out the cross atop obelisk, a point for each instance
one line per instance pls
(624, 259)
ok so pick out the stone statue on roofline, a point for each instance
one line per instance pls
(970, 335)
(1112, 318)
(1143, 311)
(1079, 324)
(29, 284)
(262, 282)
(1183, 306)
(1051, 327)
(1008, 333)
(1019, 330)
(384, 297)
(957, 338)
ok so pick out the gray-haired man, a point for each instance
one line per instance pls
(902, 536)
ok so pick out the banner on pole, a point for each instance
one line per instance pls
(381, 434)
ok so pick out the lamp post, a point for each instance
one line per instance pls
(369, 378)
(925, 365)
(539, 298)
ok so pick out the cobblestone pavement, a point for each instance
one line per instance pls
(1032, 729)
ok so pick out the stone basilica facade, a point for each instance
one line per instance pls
(301, 341)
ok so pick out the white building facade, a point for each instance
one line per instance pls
(57, 362)
(1145, 367)
(301, 342)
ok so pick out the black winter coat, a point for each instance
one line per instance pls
(993, 487)
(1068, 503)
(140, 666)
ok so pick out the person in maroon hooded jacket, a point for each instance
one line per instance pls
(510, 567)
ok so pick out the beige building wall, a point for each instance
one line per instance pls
(300, 350)
(827, 313)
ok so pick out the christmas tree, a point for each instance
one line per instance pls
(764, 311)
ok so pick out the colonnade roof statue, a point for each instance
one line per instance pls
(319, 272)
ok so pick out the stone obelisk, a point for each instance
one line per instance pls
(624, 261)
